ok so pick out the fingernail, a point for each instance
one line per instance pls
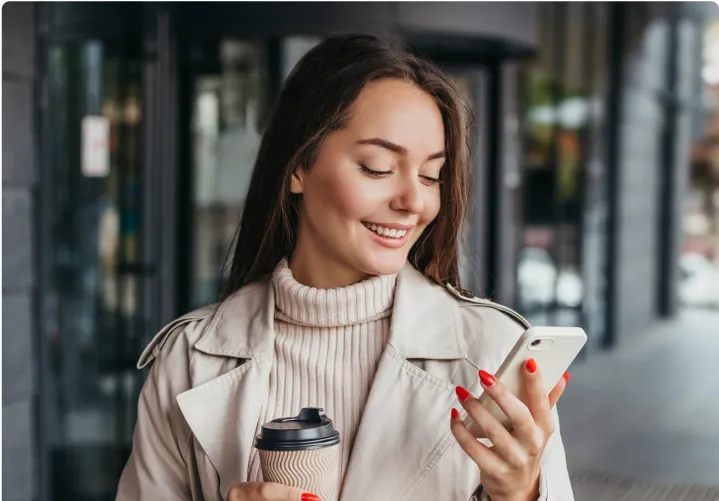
(310, 497)
(531, 366)
(486, 378)
(455, 413)
(462, 394)
(566, 377)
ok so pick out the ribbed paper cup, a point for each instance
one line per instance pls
(302, 452)
(312, 470)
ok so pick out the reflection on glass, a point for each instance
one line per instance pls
(595, 198)
(93, 384)
(550, 288)
(226, 140)
(227, 116)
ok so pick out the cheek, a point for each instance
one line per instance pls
(432, 204)
(341, 196)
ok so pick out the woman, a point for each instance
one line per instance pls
(343, 295)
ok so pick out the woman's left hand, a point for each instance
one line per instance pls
(510, 468)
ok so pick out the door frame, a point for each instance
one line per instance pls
(496, 216)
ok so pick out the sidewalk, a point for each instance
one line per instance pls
(649, 411)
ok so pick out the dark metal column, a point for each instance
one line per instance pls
(160, 167)
(667, 217)
(612, 153)
(507, 183)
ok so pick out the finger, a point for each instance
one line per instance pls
(483, 456)
(537, 400)
(558, 390)
(269, 491)
(522, 421)
(504, 443)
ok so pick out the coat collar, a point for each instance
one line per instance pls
(426, 321)
(243, 324)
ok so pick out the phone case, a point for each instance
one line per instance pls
(557, 348)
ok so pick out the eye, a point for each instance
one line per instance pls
(431, 180)
(374, 173)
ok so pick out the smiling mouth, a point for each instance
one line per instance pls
(385, 232)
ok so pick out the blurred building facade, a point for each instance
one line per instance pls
(129, 135)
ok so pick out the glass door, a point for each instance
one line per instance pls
(488, 239)
(90, 119)
(234, 82)
(229, 88)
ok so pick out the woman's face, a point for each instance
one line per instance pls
(373, 189)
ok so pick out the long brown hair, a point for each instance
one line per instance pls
(317, 100)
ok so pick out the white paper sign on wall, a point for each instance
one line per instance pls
(95, 146)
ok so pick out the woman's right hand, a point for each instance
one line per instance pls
(268, 491)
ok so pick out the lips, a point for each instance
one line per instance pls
(383, 231)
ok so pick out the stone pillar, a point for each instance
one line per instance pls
(19, 180)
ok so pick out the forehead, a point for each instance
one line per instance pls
(400, 112)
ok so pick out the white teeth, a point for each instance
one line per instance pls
(386, 232)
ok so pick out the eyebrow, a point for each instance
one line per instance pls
(395, 148)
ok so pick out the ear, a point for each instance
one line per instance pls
(297, 182)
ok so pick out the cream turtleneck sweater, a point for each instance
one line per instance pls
(327, 346)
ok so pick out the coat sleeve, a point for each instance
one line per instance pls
(554, 482)
(157, 467)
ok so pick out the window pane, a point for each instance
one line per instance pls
(92, 122)
(226, 133)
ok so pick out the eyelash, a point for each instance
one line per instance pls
(374, 173)
(382, 173)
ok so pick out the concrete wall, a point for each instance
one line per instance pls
(641, 125)
(19, 179)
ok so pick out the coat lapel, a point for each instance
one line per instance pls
(223, 412)
(405, 425)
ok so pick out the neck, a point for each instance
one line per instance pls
(311, 267)
(322, 273)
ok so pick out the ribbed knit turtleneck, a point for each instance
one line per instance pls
(328, 343)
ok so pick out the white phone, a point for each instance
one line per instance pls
(553, 348)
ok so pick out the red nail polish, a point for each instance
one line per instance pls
(462, 394)
(566, 377)
(486, 378)
(310, 497)
(531, 366)
(455, 413)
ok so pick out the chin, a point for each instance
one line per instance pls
(384, 265)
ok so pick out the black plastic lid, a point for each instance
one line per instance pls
(311, 429)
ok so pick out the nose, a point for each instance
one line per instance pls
(409, 197)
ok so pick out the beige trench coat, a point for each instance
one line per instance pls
(199, 408)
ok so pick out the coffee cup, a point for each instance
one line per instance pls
(302, 452)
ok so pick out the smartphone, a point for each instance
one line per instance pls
(553, 348)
